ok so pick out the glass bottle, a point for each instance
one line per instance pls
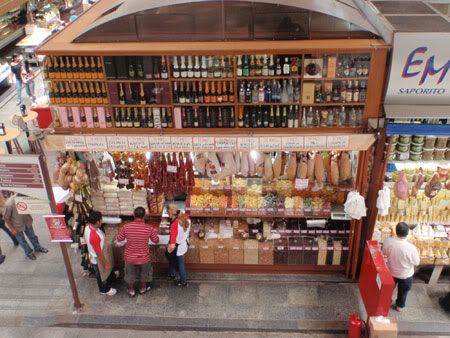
(258, 66)
(359, 117)
(181, 94)
(290, 118)
(242, 95)
(335, 96)
(223, 67)
(362, 92)
(271, 66)
(352, 117)
(219, 92)
(248, 93)
(309, 117)
(217, 68)
(142, 94)
(265, 69)
(296, 96)
(121, 94)
(252, 65)
(261, 93)
(284, 93)
(330, 118)
(342, 117)
(278, 69)
(190, 68)
(150, 119)
(204, 68)
(164, 70)
(286, 66)
(210, 67)
(349, 96)
(245, 66)
(197, 71)
(271, 118)
(290, 91)
(296, 116)
(241, 117)
(131, 71)
(268, 93)
(117, 118)
(255, 93)
(183, 68)
(355, 97)
(213, 93)
(239, 66)
(176, 68)
(277, 117)
(324, 117)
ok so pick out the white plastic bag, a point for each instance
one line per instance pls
(384, 201)
(355, 205)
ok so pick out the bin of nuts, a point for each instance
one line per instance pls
(265, 254)
(206, 250)
(221, 252)
(251, 251)
(193, 254)
(236, 251)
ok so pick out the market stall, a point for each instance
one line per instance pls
(268, 137)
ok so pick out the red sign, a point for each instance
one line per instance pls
(59, 232)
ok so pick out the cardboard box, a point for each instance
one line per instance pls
(308, 92)
(383, 327)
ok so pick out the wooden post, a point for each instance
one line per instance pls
(63, 246)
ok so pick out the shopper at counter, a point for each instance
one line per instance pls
(402, 257)
(21, 225)
(17, 72)
(95, 240)
(178, 244)
(137, 252)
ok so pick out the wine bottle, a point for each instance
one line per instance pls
(213, 93)
(187, 96)
(121, 94)
(223, 67)
(183, 69)
(290, 117)
(217, 68)
(342, 117)
(75, 69)
(69, 72)
(142, 94)
(265, 67)
(92, 93)
(310, 118)
(131, 71)
(296, 116)
(194, 93)
(208, 118)
(164, 70)
(81, 97)
(98, 93)
(245, 66)
(201, 94)
(261, 92)
(136, 118)
(104, 94)
(278, 69)
(117, 118)
(93, 69)
(229, 66)
(272, 67)
(239, 66)
(284, 117)
(181, 94)
(204, 68)
(47, 68)
(252, 66)
(258, 67)
(355, 97)
(99, 68)
(82, 74)
(207, 94)
(57, 71)
(241, 117)
(231, 92)
(62, 68)
(62, 93)
(248, 93)
(349, 96)
(225, 92)
(83, 119)
(87, 70)
(190, 68)
(51, 94)
(196, 119)
(86, 94)
(242, 92)
(70, 119)
(176, 68)
(197, 71)
(150, 118)
(169, 118)
(219, 92)
(68, 93)
(232, 118)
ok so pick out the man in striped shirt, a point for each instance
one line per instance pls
(137, 251)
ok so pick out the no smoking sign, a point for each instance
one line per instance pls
(21, 206)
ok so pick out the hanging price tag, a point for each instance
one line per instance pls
(138, 142)
(78, 198)
(75, 142)
(301, 183)
(292, 143)
(171, 169)
(124, 181)
(315, 142)
(248, 143)
(226, 143)
(96, 142)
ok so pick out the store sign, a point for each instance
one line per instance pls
(138, 142)
(30, 205)
(292, 143)
(117, 142)
(247, 143)
(315, 142)
(420, 69)
(160, 143)
(59, 232)
(226, 143)
(96, 142)
(22, 174)
(270, 143)
(338, 142)
(180, 143)
(204, 143)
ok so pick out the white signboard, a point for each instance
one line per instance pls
(96, 142)
(31, 205)
(337, 142)
(117, 142)
(270, 143)
(248, 143)
(292, 143)
(181, 143)
(203, 143)
(226, 143)
(75, 142)
(315, 142)
(160, 143)
(138, 142)
(420, 69)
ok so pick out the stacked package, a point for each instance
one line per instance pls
(116, 202)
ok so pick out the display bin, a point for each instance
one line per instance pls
(251, 251)
(295, 255)
(221, 252)
(311, 251)
(236, 252)
(265, 254)
(193, 255)
(280, 251)
(206, 250)
(330, 252)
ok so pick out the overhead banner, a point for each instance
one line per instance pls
(419, 72)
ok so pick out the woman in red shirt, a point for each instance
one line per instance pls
(178, 244)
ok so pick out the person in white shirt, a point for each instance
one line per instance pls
(402, 257)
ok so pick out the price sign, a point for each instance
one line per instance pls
(301, 183)
(272, 143)
(117, 142)
(75, 142)
(248, 143)
(226, 143)
(96, 142)
(292, 143)
(139, 182)
(172, 169)
(124, 181)
(138, 142)
(181, 143)
(315, 142)
(204, 143)
(160, 143)
(338, 142)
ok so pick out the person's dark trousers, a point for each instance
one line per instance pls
(5, 228)
(29, 232)
(403, 287)
(103, 286)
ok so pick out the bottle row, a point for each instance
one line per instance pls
(143, 118)
(77, 92)
(203, 92)
(332, 117)
(73, 67)
(202, 67)
(340, 66)
(83, 117)
(268, 65)
(269, 117)
(274, 91)
(207, 117)
(139, 93)
(136, 67)
(340, 91)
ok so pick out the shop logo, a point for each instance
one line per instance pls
(414, 61)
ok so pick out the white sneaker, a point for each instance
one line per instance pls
(399, 309)
(111, 292)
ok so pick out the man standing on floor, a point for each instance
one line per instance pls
(2, 221)
(95, 240)
(402, 257)
(21, 225)
(137, 252)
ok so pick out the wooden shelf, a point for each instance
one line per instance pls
(202, 79)
(335, 78)
(223, 214)
(141, 105)
(75, 80)
(332, 104)
(228, 104)
(138, 80)
(278, 77)
(80, 105)
(269, 104)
